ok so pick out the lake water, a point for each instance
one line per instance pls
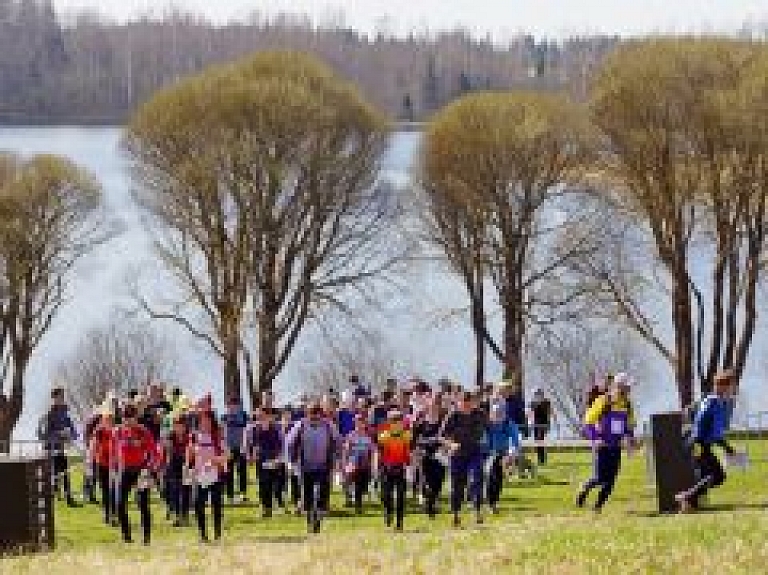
(419, 344)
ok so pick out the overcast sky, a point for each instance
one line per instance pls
(502, 18)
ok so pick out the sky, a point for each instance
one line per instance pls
(500, 18)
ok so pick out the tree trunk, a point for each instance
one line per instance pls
(514, 334)
(684, 337)
(716, 346)
(5, 434)
(267, 349)
(754, 252)
(250, 383)
(232, 381)
(479, 328)
(10, 407)
(6, 427)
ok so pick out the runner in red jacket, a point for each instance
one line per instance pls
(101, 453)
(134, 458)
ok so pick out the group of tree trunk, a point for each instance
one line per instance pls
(48, 220)
(261, 179)
(673, 160)
(260, 182)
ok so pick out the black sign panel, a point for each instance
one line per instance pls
(26, 512)
(672, 462)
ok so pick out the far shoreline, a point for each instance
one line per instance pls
(17, 121)
(415, 127)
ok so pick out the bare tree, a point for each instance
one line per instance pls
(260, 179)
(47, 223)
(567, 361)
(683, 124)
(122, 355)
(335, 357)
(500, 160)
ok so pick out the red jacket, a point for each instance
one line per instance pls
(102, 439)
(133, 447)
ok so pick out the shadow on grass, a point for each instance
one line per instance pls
(722, 507)
(244, 505)
(538, 482)
(707, 510)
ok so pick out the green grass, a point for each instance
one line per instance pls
(538, 531)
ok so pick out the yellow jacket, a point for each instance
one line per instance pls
(595, 412)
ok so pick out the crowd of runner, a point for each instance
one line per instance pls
(414, 438)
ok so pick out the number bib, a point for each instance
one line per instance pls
(208, 476)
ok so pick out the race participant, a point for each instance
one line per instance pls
(133, 448)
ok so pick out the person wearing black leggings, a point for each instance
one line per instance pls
(100, 448)
(204, 492)
(264, 444)
(179, 493)
(134, 448)
(426, 438)
(394, 456)
(465, 430)
(207, 456)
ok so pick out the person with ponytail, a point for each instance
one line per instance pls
(207, 456)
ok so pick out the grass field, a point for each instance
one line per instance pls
(538, 531)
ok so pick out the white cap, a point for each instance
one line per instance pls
(622, 380)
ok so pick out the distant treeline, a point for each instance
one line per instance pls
(91, 70)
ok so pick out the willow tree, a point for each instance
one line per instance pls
(493, 166)
(684, 143)
(48, 220)
(261, 177)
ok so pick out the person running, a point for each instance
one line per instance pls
(394, 457)
(100, 448)
(503, 446)
(609, 423)
(357, 461)
(513, 394)
(710, 424)
(541, 410)
(235, 421)
(207, 456)
(57, 430)
(465, 432)
(90, 472)
(289, 479)
(426, 436)
(133, 448)
(179, 493)
(155, 408)
(264, 445)
(345, 422)
(313, 445)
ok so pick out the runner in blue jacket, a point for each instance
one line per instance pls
(710, 425)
